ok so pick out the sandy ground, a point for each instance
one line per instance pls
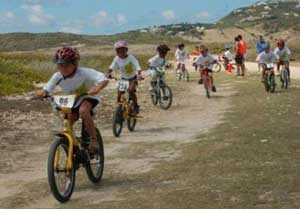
(27, 129)
(26, 133)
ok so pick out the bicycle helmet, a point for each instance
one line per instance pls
(163, 48)
(280, 42)
(66, 55)
(121, 44)
(267, 45)
(180, 45)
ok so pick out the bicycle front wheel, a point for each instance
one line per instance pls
(272, 83)
(61, 179)
(94, 168)
(165, 97)
(118, 121)
(154, 97)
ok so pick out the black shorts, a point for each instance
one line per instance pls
(281, 62)
(94, 103)
(239, 59)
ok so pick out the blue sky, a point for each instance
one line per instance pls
(107, 16)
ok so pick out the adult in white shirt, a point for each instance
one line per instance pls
(129, 68)
(77, 80)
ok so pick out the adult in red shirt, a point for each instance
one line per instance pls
(240, 53)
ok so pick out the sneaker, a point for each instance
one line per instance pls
(214, 89)
(200, 81)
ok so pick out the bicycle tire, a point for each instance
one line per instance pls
(217, 67)
(96, 177)
(131, 123)
(118, 121)
(154, 97)
(186, 76)
(272, 83)
(162, 97)
(61, 197)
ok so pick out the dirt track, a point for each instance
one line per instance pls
(26, 133)
(27, 126)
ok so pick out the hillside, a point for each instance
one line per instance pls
(270, 16)
(31, 41)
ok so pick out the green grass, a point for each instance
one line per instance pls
(18, 72)
(251, 160)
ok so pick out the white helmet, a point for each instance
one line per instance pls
(121, 44)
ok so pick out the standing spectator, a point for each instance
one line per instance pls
(242, 52)
(238, 56)
(260, 47)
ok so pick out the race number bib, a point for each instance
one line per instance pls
(270, 65)
(123, 85)
(65, 101)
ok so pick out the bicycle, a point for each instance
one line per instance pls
(269, 78)
(182, 72)
(284, 77)
(207, 82)
(124, 110)
(161, 92)
(68, 153)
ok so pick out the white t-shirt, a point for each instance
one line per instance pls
(81, 82)
(266, 58)
(206, 62)
(127, 67)
(284, 54)
(181, 55)
(228, 55)
(157, 61)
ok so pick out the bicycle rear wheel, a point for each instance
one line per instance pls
(165, 97)
(61, 179)
(118, 121)
(217, 67)
(186, 75)
(95, 167)
(131, 123)
(284, 78)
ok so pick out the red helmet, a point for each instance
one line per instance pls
(280, 42)
(66, 55)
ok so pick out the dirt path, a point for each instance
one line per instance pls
(26, 129)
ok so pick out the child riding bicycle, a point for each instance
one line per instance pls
(129, 69)
(181, 56)
(266, 59)
(73, 79)
(206, 61)
(158, 60)
(284, 53)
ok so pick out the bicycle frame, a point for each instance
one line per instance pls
(68, 133)
(125, 105)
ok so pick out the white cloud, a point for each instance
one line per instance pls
(168, 14)
(37, 16)
(102, 19)
(7, 18)
(69, 29)
(202, 15)
(121, 19)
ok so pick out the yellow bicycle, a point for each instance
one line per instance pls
(124, 111)
(68, 153)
